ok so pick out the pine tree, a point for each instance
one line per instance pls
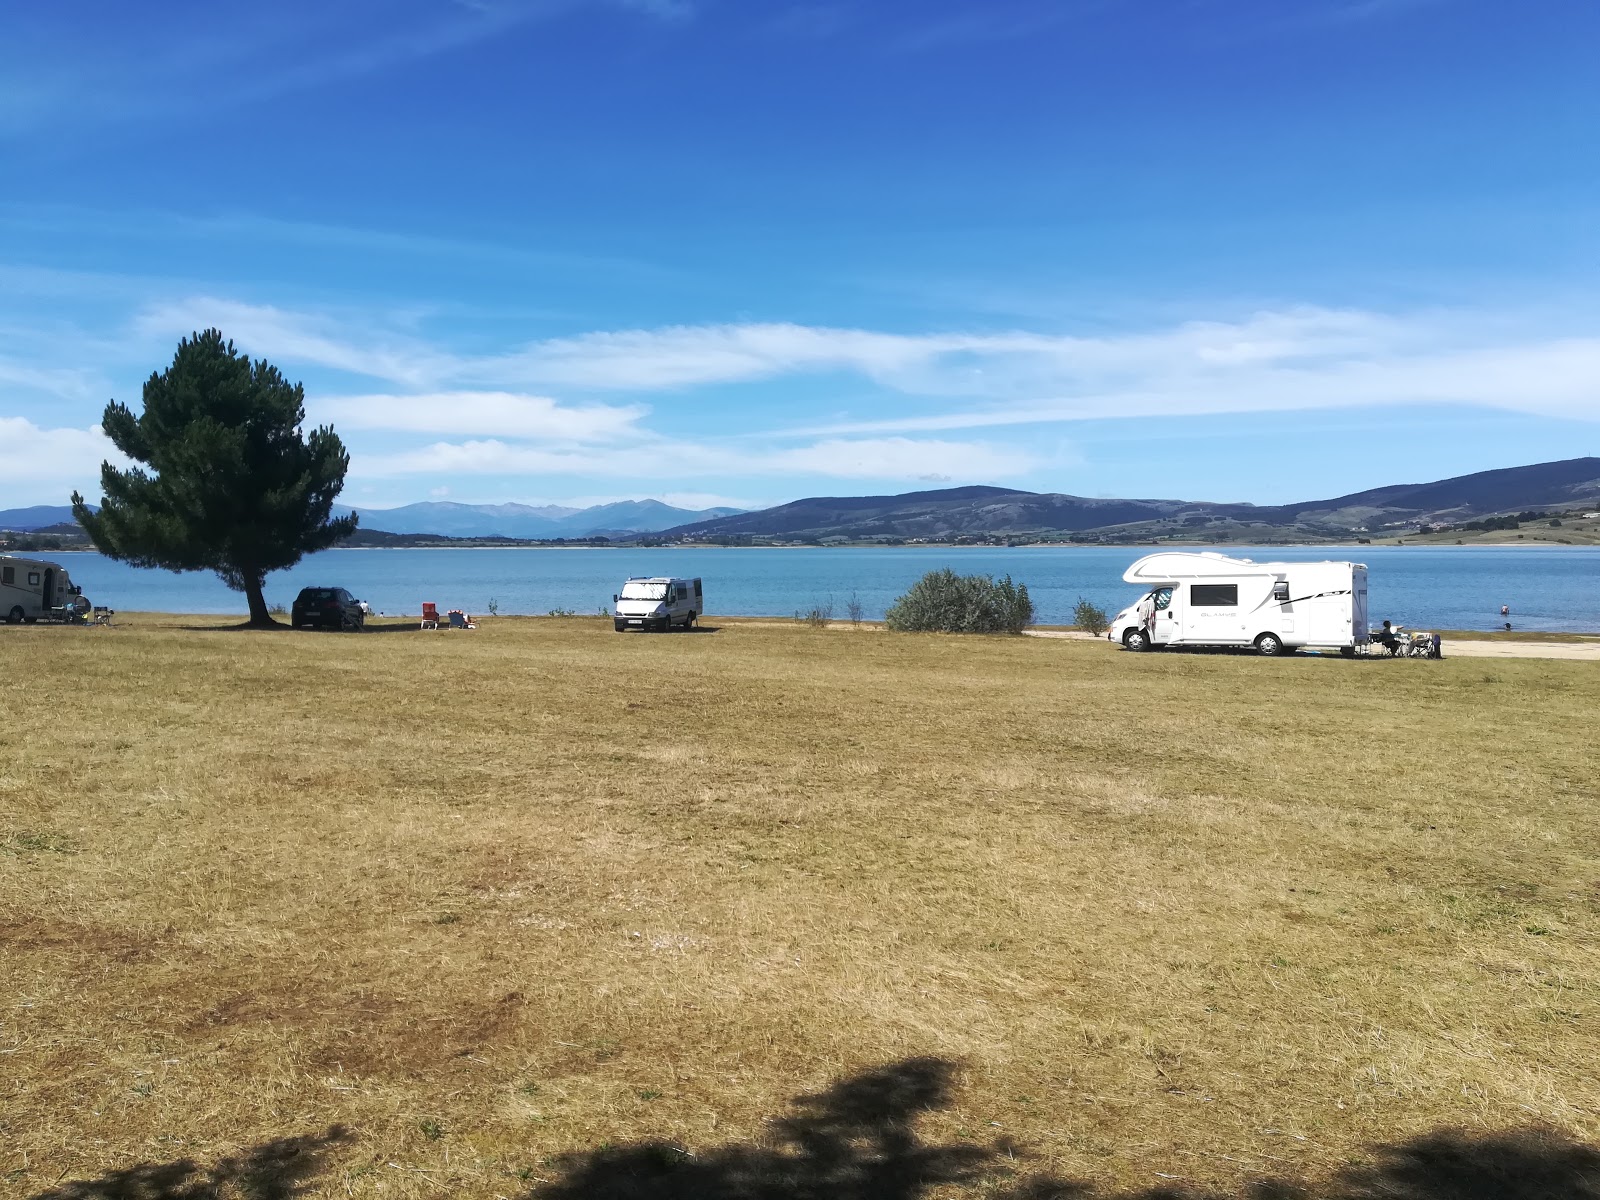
(228, 482)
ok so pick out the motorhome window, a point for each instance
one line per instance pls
(33, 579)
(1163, 598)
(8, 576)
(1214, 595)
(1280, 591)
(637, 590)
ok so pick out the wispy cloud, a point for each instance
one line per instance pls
(993, 22)
(811, 21)
(319, 339)
(575, 407)
(1289, 359)
(841, 458)
(664, 10)
(167, 61)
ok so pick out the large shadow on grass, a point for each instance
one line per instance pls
(276, 1170)
(308, 631)
(856, 1140)
(859, 1140)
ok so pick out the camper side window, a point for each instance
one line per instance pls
(33, 579)
(1214, 595)
(8, 576)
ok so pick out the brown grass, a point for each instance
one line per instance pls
(484, 899)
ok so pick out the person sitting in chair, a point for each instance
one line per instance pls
(1387, 639)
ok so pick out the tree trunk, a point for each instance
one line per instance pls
(260, 618)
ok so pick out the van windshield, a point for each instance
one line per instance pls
(634, 590)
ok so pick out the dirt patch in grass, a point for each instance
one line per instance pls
(499, 905)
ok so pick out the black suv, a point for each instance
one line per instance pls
(330, 608)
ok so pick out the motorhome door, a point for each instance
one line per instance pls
(1166, 625)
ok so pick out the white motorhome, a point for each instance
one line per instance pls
(657, 602)
(1209, 599)
(31, 588)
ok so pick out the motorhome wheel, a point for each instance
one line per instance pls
(17, 615)
(1269, 645)
(1136, 640)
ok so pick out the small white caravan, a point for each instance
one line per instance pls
(31, 589)
(657, 602)
(1209, 599)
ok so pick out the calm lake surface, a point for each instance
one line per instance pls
(1451, 587)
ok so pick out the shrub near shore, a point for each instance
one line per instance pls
(944, 602)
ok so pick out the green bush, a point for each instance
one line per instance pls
(1089, 618)
(944, 602)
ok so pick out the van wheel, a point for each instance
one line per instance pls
(1269, 645)
(1136, 640)
(17, 615)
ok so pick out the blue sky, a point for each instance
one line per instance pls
(725, 251)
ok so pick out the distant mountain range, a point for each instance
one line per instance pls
(449, 519)
(988, 511)
(445, 518)
(39, 516)
(980, 511)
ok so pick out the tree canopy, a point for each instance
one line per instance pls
(228, 482)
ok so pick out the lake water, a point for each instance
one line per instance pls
(1451, 587)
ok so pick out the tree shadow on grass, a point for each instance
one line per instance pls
(858, 1141)
(855, 1141)
(285, 627)
(276, 1170)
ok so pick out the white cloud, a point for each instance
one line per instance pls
(493, 414)
(44, 466)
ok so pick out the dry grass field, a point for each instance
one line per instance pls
(545, 911)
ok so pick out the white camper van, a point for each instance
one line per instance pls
(1209, 599)
(31, 588)
(657, 602)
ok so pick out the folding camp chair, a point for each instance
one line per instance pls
(459, 620)
(430, 616)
